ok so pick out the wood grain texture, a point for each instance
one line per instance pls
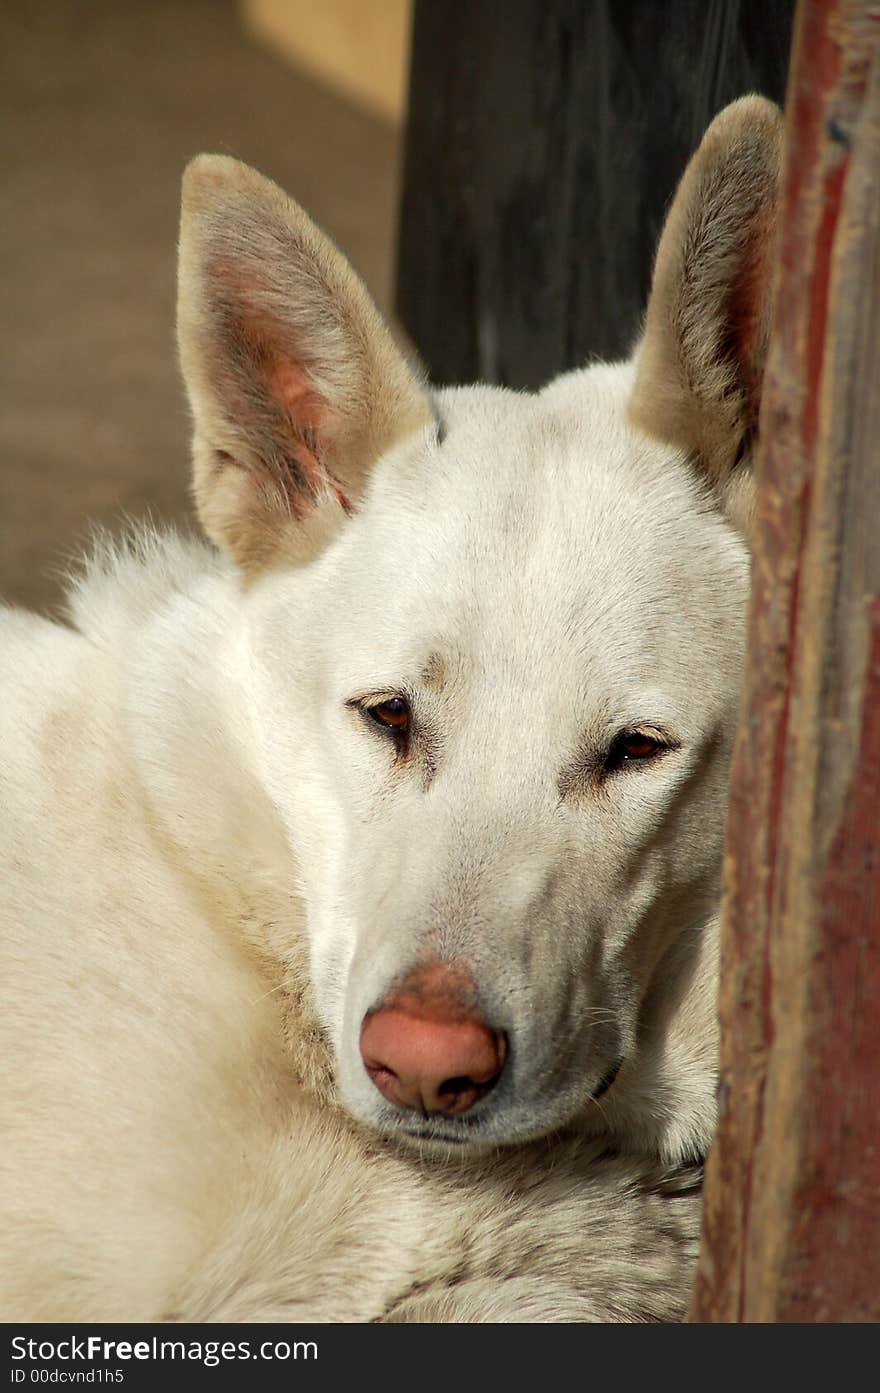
(792, 1209)
(545, 139)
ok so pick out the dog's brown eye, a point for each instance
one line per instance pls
(634, 747)
(393, 714)
(639, 746)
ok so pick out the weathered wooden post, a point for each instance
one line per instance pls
(792, 1218)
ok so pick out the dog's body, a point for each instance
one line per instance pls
(428, 762)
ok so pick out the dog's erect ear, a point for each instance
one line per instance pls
(295, 383)
(700, 363)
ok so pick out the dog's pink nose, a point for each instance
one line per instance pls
(423, 1051)
(431, 1065)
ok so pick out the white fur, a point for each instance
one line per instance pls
(213, 866)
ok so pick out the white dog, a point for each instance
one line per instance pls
(360, 876)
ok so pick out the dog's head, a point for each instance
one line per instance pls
(495, 644)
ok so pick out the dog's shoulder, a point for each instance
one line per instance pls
(121, 582)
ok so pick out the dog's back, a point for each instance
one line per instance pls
(125, 1018)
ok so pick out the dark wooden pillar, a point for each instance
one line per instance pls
(792, 1217)
(544, 141)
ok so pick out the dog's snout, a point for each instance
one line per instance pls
(424, 1049)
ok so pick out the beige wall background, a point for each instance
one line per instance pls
(101, 106)
(357, 48)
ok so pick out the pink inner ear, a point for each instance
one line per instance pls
(308, 413)
(282, 377)
(291, 388)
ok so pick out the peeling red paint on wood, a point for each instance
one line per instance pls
(792, 1215)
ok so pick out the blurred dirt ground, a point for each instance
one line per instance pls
(101, 105)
